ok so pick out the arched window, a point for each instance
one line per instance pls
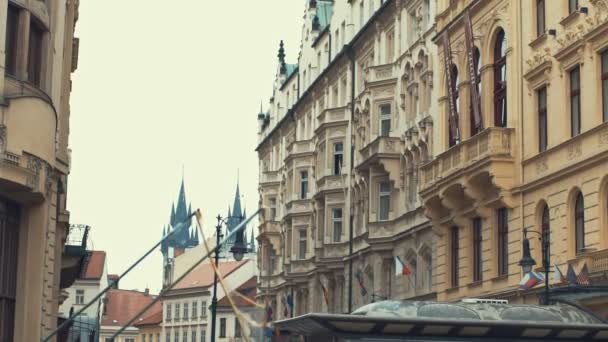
(546, 232)
(500, 80)
(454, 136)
(475, 128)
(579, 222)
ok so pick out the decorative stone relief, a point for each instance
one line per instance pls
(575, 151)
(570, 37)
(603, 136)
(541, 166)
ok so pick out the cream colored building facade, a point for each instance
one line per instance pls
(38, 55)
(364, 82)
(539, 161)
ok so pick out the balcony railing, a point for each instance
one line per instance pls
(381, 146)
(492, 142)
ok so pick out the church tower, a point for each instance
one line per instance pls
(236, 215)
(182, 240)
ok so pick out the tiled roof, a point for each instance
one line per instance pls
(247, 289)
(93, 266)
(122, 305)
(154, 316)
(202, 276)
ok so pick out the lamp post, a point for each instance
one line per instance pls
(527, 262)
(238, 250)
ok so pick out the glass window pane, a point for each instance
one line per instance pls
(605, 98)
(385, 187)
(384, 207)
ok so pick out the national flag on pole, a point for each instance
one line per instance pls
(583, 276)
(361, 285)
(325, 294)
(558, 275)
(401, 268)
(570, 275)
(290, 301)
(530, 280)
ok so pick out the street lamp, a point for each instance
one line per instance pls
(527, 262)
(238, 250)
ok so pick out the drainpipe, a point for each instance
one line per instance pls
(351, 55)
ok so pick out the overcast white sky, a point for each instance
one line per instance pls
(160, 85)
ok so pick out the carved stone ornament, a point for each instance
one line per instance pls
(575, 151)
(541, 166)
(538, 59)
(603, 136)
(570, 37)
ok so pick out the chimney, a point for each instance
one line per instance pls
(147, 292)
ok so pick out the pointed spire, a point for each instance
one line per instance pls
(172, 220)
(252, 243)
(196, 236)
(281, 56)
(236, 208)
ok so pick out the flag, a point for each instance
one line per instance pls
(290, 301)
(570, 275)
(325, 294)
(269, 313)
(401, 268)
(583, 276)
(530, 280)
(558, 275)
(361, 285)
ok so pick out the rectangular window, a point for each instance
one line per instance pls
(193, 336)
(34, 66)
(169, 312)
(177, 311)
(143, 338)
(542, 119)
(237, 328)
(203, 335)
(385, 120)
(168, 337)
(575, 101)
(338, 158)
(337, 224)
(384, 201)
(176, 336)
(455, 256)
(203, 309)
(605, 84)
(273, 208)
(540, 17)
(194, 310)
(222, 327)
(303, 184)
(186, 312)
(503, 241)
(12, 34)
(185, 336)
(80, 297)
(572, 6)
(302, 245)
(477, 250)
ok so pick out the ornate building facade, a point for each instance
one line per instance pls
(38, 55)
(523, 99)
(340, 146)
(438, 132)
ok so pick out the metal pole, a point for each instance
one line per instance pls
(218, 233)
(67, 321)
(546, 258)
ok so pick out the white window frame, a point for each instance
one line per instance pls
(385, 117)
(79, 297)
(302, 242)
(383, 194)
(304, 181)
(338, 153)
(335, 221)
(272, 204)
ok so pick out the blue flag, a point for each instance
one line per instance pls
(290, 301)
(571, 276)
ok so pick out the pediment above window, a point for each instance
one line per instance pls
(539, 69)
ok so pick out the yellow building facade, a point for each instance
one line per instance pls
(534, 158)
(38, 55)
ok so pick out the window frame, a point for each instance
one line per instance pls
(222, 333)
(477, 235)
(579, 222)
(575, 100)
(384, 194)
(477, 60)
(186, 311)
(302, 243)
(237, 328)
(500, 84)
(338, 158)
(573, 6)
(337, 221)
(502, 218)
(12, 40)
(194, 309)
(543, 132)
(455, 140)
(304, 184)
(385, 118)
(35, 57)
(79, 297)
(541, 23)
(545, 229)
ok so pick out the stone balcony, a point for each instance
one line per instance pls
(270, 177)
(477, 169)
(382, 151)
(330, 183)
(297, 206)
(300, 147)
(332, 116)
(382, 73)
